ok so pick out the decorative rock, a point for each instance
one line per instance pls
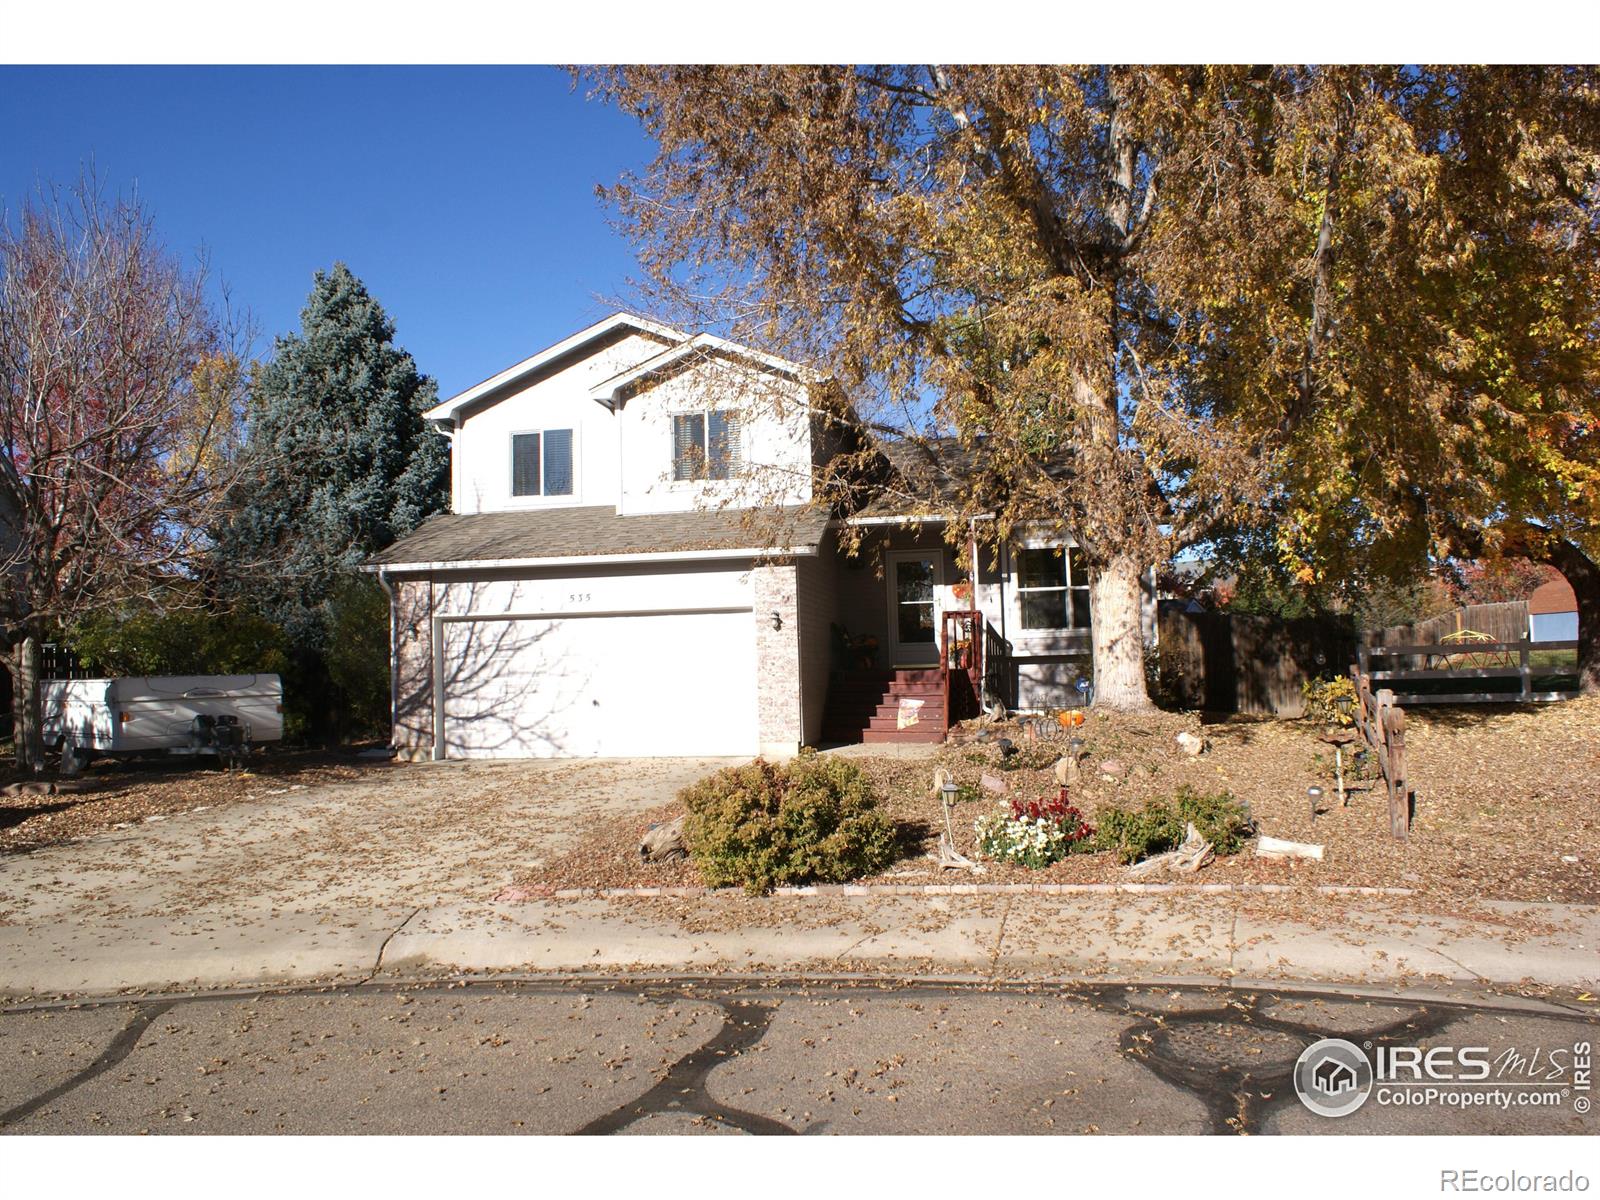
(1191, 744)
(663, 842)
(993, 783)
(1066, 771)
(1113, 768)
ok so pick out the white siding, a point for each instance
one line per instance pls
(775, 441)
(624, 458)
(481, 453)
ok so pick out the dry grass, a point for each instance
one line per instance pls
(1503, 796)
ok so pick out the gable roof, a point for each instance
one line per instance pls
(448, 409)
(506, 539)
(609, 391)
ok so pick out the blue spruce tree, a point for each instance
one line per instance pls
(339, 465)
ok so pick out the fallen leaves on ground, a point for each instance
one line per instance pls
(1505, 797)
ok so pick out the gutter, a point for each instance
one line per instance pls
(907, 519)
(589, 560)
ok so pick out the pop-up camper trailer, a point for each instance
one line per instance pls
(172, 714)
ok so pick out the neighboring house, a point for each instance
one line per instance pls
(636, 563)
(1553, 612)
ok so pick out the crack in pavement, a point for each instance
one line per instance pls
(683, 1088)
(378, 965)
(121, 1046)
(1000, 937)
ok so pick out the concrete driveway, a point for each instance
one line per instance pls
(331, 865)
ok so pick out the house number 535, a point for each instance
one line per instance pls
(579, 597)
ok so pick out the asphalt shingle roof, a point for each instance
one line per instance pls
(576, 532)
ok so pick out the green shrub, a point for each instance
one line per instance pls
(1135, 834)
(1323, 696)
(814, 820)
(358, 656)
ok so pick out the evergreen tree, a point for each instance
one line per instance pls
(339, 461)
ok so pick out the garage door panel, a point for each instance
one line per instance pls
(661, 684)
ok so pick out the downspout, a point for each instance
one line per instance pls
(394, 654)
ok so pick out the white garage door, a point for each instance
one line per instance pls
(656, 685)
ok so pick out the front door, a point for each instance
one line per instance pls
(915, 577)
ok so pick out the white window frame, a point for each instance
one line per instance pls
(736, 468)
(1070, 574)
(542, 500)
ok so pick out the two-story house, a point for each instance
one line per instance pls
(636, 563)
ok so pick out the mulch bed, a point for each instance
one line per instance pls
(1503, 795)
(113, 794)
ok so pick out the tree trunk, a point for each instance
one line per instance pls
(28, 731)
(1118, 636)
(1583, 573)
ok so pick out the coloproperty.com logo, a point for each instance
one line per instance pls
(1335, 1077)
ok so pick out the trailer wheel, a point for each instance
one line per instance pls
(75, 759)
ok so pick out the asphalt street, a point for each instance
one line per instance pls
(730, 1057)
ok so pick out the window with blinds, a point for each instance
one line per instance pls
(525, 464)
(705, 445)
(541, 463)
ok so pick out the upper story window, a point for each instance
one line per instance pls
(705, 445)
(541, 463)
(1053, 589)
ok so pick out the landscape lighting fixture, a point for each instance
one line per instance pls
(948, 794)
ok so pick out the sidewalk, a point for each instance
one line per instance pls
(1198, 937)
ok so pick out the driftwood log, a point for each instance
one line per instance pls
(30, 787)
(663, 842)
(1269, 847)
(1194, 853)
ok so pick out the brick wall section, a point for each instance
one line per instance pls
(779, 718)
(412, 663)
(814, 579)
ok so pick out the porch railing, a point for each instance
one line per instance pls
(961, 647)
(997, 678)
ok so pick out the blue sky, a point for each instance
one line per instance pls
(464, 197)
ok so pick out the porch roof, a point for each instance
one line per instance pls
(556, 534)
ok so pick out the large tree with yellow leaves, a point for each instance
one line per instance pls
(1222, 297)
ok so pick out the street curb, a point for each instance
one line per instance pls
(517, 894)
(878, 982)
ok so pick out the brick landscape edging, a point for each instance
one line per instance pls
(950, 889)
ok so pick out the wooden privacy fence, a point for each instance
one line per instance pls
(1382, 723)
(1504, 622)
(1237, 662)
(1469, 672)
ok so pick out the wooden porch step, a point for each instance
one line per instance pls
(925, 736)
(925, 720)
